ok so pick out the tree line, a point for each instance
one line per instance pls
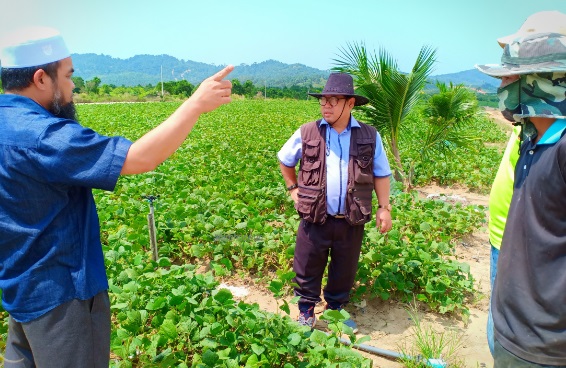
(94, 90)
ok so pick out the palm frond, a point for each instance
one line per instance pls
(454, 103)
(353, 60)
(391, 93)
(419, 74)
(443, 139)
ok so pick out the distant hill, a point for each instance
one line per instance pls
(147, 69)
(471, 78)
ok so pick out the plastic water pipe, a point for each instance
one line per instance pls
(433, 363)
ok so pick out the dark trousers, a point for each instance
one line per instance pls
(74, 334)
(315, 243)
(506, 359)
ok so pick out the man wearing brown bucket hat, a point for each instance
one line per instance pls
(528, 300)
(342, 161)
(502, 188)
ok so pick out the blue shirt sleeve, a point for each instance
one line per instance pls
(71, 154)
(291, 152)
(381, 167)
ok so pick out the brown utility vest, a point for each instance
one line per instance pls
(312, 174)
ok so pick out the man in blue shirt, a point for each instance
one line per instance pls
(52, 274)
(528, 301)
(342, 162)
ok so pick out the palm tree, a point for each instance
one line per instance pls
(392, 94)
(447, 112)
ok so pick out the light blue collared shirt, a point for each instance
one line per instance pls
(553, 133)
(337, 156)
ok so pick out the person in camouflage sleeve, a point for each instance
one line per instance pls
(528, 300)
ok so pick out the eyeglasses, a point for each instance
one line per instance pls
(333, 101)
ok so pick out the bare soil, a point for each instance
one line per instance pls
(388, 322)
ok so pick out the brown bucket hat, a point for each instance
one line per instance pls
(341, 84)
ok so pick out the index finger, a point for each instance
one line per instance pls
(223, 73)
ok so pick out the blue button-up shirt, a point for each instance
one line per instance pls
(337, 156)
(50, 250)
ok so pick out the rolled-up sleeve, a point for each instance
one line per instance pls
(291, 151)
(381, 167)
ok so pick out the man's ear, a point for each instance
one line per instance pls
(351, 102)
(41, 79)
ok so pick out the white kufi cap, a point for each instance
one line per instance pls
(32, 46)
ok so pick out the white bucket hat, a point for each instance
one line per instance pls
(535, 53)
(551, 21)
(32, 46)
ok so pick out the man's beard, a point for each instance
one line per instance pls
(61, 110)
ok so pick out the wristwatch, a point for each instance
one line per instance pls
(292, 186)
(388, 207)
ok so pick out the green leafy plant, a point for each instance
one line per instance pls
(223, 211)
(429, 347)
(417, 256)
(279, 287)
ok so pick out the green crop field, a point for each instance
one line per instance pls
(221, 203)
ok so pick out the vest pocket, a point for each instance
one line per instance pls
(310, 173)
(359, 206)
(307, 205)
(311, 149)
(363, 170)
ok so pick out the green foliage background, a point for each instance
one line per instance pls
(222, 206)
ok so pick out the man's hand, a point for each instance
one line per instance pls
(383, 220)
(159, 143)
(213, 92)
(295, 195)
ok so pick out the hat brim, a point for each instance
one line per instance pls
(505, 70)
(360, 100)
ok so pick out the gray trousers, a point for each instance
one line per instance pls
(505, 359)
(75, 334)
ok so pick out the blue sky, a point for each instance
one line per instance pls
(291, 31)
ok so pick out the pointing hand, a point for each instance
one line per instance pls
(213, 92)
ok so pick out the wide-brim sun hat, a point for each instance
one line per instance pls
(551, 21)
(341, 84)
(32, 46)
(535, 53)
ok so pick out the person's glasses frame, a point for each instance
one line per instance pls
(333, 100)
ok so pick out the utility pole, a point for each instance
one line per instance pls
(162, 81)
